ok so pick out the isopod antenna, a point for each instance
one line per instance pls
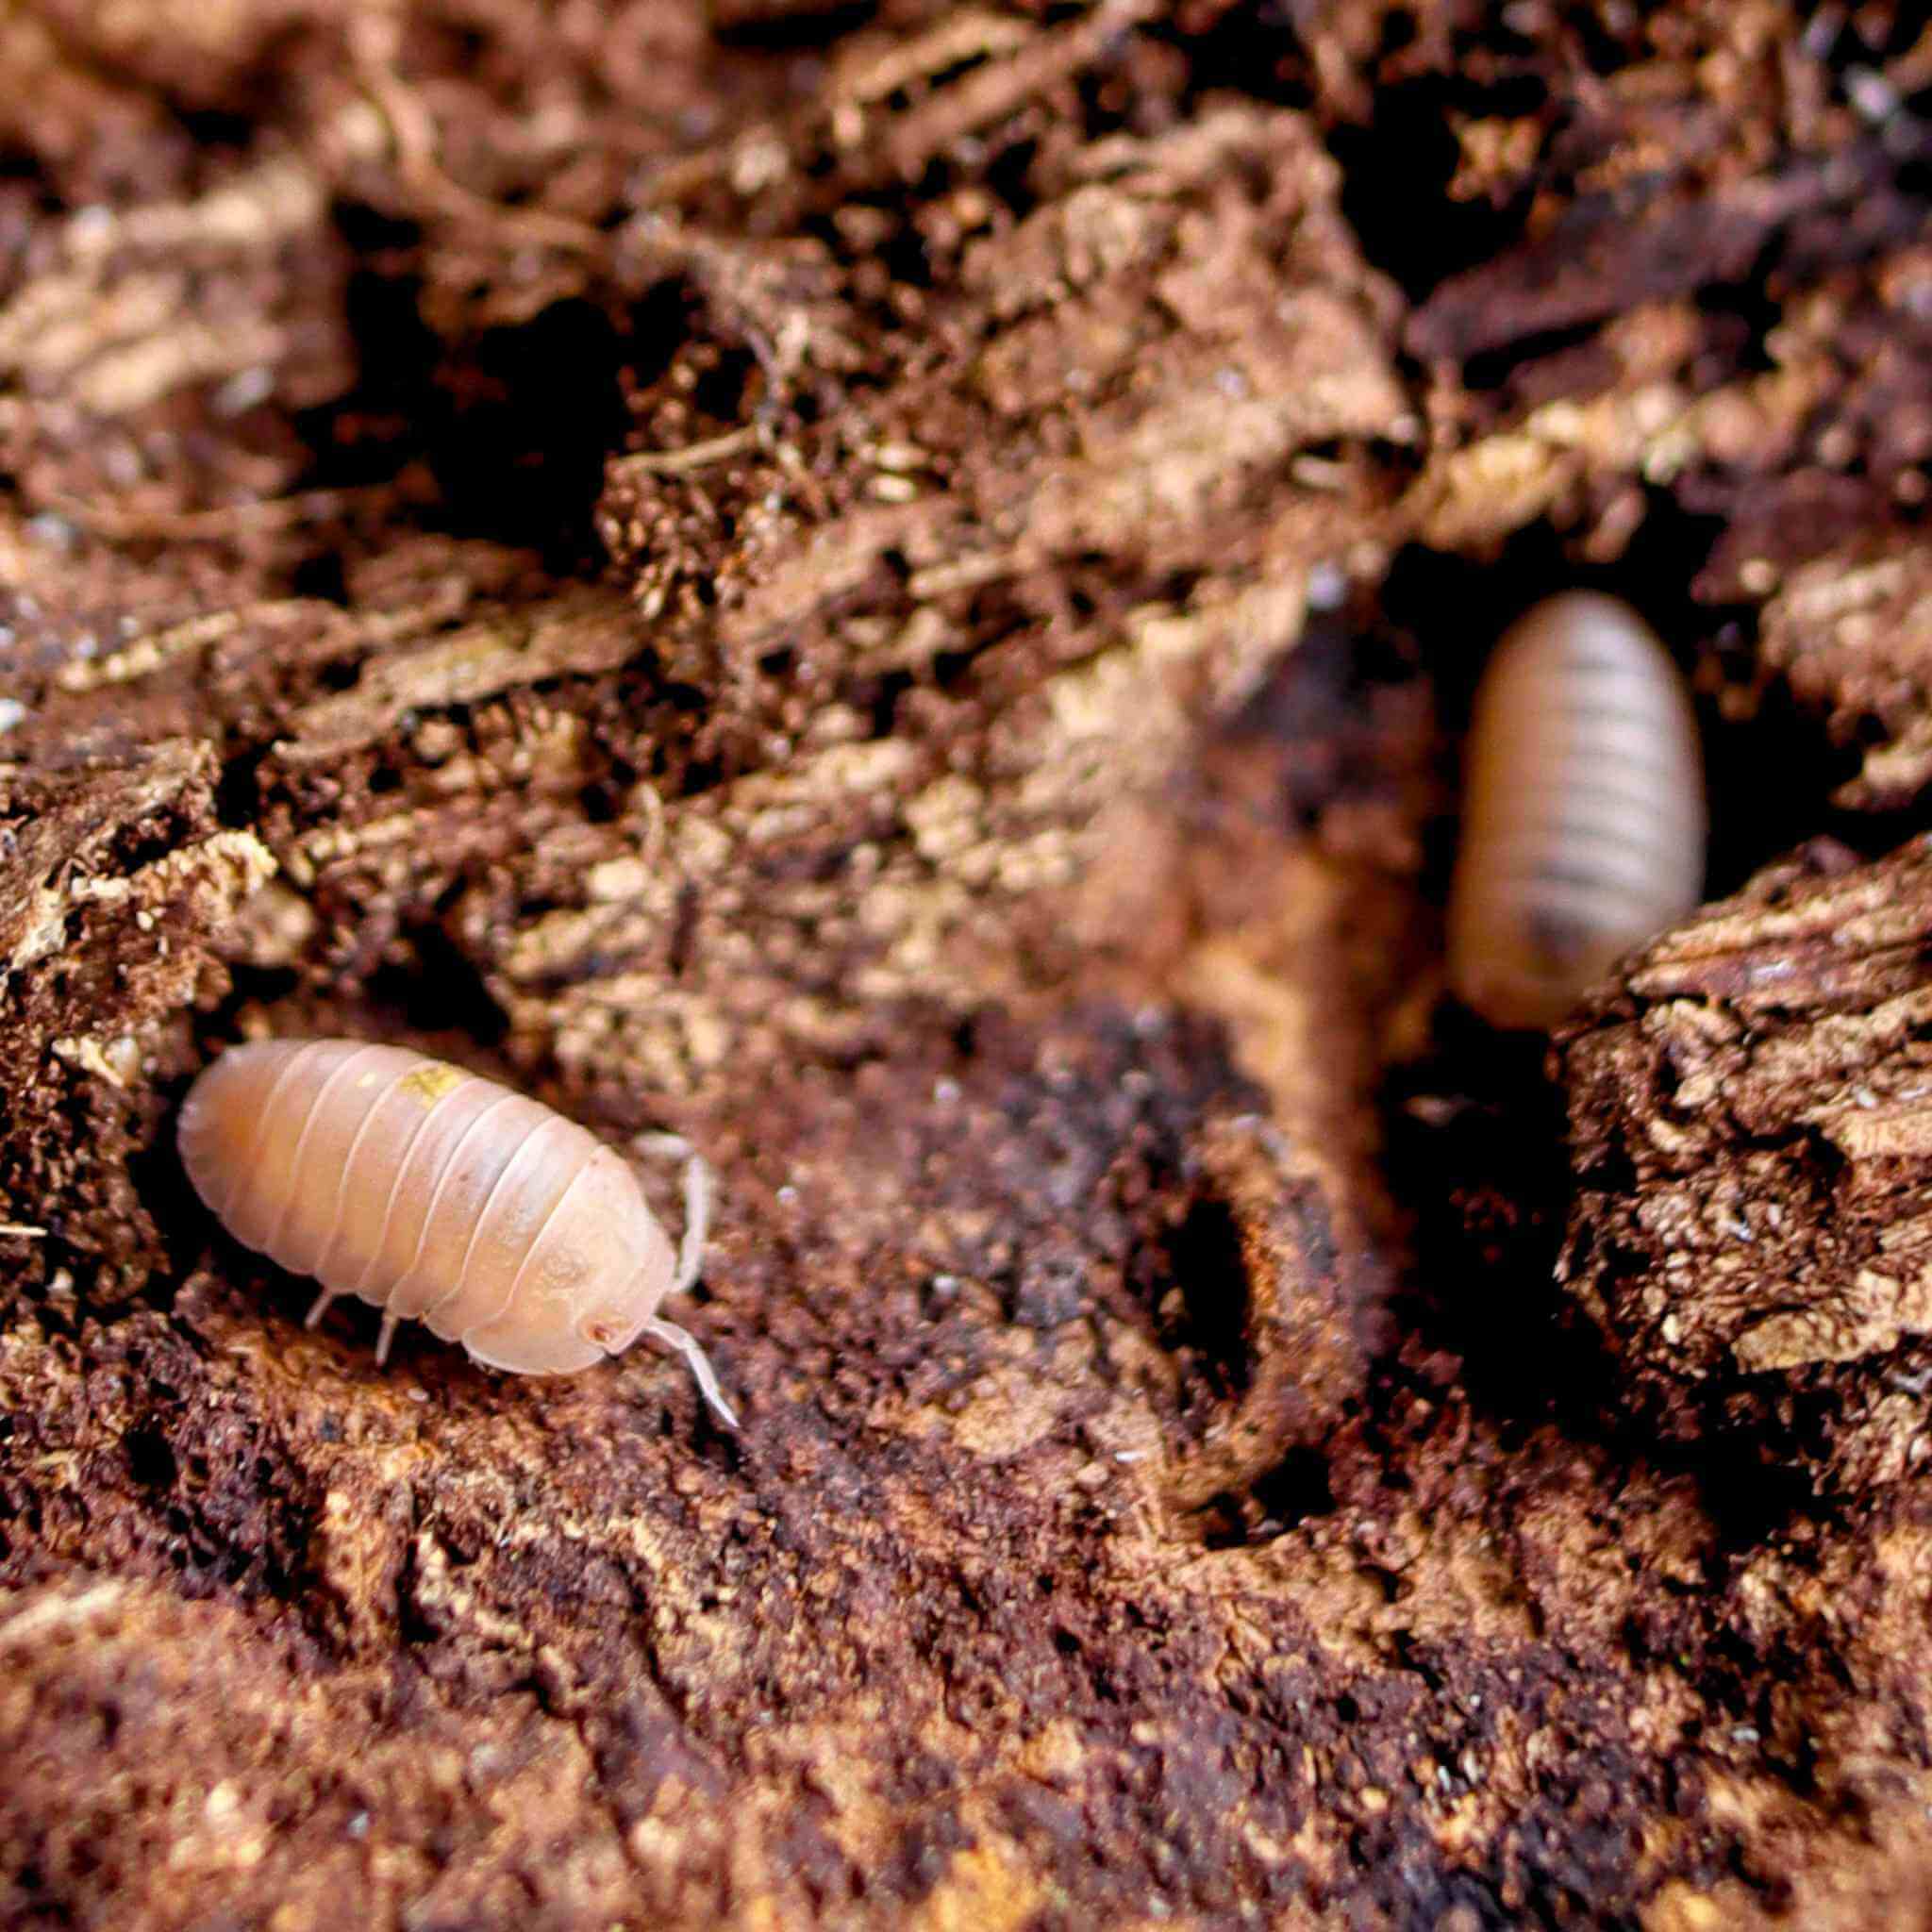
(690, 1264)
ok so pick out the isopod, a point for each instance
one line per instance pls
(1583, 827)
(438, 1196)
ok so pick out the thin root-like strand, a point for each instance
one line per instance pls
(671, 1336)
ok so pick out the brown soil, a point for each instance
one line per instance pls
(893, 588)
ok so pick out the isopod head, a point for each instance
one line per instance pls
(586, 1296)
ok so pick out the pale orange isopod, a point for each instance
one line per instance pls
(1583, 827)
(437, 1194)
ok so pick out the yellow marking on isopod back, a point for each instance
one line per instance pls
(429, 1082)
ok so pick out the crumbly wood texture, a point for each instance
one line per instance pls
(892, 590)
(1752, 1141)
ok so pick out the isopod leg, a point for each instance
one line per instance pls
(695, 1359)
(319, 1307)
(383, 1340)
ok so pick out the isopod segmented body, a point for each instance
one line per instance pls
(437, 1194)
(1583, 828)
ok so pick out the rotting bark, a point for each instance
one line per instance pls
(1752, 1139)
(890, 589)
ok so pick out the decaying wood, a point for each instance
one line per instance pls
(1750, 1125)
(890, 589)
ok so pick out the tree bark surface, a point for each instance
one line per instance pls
(892, 590)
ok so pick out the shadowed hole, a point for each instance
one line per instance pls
(1203, 1262)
